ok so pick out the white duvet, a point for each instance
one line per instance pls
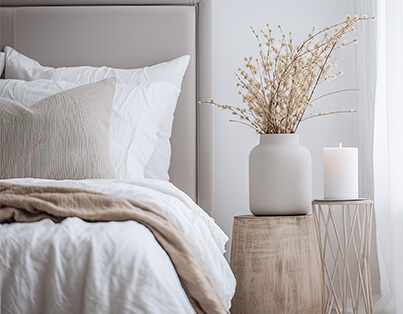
(113, 267)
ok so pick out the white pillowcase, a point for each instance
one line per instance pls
(22, 67)
(134, 120)
(2, 59)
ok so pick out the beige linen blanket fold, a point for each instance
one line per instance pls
(22, 203)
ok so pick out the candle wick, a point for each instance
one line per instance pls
(340, 145)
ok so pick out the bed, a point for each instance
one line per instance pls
(77, 266)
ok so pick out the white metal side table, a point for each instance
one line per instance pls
(344, 234)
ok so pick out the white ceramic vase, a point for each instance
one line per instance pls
(280, 176)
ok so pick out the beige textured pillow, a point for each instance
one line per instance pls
(64, 136)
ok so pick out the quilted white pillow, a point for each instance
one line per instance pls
(22, 67)
(134, 120)
(64, 136)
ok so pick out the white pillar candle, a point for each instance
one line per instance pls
(340, 172)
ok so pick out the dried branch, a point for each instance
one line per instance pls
(327, 113)
(336, 92)
(278, 86)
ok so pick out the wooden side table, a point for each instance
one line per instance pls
(277, 265)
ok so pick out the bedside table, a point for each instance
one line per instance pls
(277, 265)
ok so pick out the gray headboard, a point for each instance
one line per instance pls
(130, 34)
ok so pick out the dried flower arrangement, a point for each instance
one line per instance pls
(278, 86)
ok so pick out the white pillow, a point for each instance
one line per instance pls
(2, 59)
(22, 67)
(134, 120)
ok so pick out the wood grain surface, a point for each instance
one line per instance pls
(277, 265)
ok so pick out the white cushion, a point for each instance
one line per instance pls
(134, 120)
(22, 67)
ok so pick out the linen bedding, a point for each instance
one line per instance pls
(114, 267)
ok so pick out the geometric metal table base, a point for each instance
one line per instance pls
(344, 235)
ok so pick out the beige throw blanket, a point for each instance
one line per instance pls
(19, 203)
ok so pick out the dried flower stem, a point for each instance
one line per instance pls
(327, 113)
(278, 86)
(336, 92)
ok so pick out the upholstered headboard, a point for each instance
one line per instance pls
(130, 34)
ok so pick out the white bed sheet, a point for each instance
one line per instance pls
(114, 267)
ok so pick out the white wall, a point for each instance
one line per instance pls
(232, 40)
